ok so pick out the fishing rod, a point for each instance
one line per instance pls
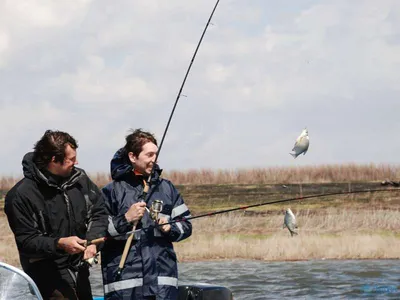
(182, 85)
(300, 198)
(148, 184)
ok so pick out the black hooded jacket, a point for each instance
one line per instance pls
(40, 211)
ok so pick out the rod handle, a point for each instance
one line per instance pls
(126, 250)
(97, 241)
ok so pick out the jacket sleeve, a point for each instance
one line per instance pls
(30, 239)
(117, 223)
(97, 214)
(182, 229)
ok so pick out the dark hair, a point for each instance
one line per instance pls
(52, 143)
(136, 140)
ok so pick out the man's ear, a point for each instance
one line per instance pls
(53, 159)
(132, 157)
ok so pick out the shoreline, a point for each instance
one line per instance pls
(349, 227)
(336, 235)
(287, 260)
(269, 261)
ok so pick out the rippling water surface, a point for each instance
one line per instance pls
(351, 279)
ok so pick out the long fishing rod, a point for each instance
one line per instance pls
(183, 84)
(300, 198)
(147, 186)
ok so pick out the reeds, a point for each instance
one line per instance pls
(8, 248)
(329, 234)
(332, 233)
(276, 175)
(282, 247)
(271, 175)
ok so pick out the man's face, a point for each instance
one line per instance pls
(144, 162)
(64, 168)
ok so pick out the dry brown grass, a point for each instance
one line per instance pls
(333, 233)
(323, 220)
(8, 249)
(6, 182)
(272, 175)
(363, 226)
(100, 179)
(283, 247)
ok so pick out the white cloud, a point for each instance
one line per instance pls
(219, 72)
(44, 13)
(263, 72)
(109, 86)
(4, 44)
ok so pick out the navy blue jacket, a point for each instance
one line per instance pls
(151, 265)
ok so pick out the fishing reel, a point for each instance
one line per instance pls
(155, 209)
(94, 260)
(89, 262)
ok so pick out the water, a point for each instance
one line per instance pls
(351, 279)
(252, 280)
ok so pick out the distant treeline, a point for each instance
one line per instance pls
(270, 175)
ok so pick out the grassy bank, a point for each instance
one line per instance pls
(336, 227)
(213, 197)
(8, 249)
(271, 175)
(333, 233)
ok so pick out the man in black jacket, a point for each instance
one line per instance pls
(53, 211)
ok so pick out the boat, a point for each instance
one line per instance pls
(198, 291)
(17, 285)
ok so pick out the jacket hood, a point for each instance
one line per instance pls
(29, 168)
(31, 171)
(121, 165)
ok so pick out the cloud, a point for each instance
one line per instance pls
(4, 44)
(42, 14)
(263, 72)
(96, 83)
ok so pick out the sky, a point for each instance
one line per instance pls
(265, 70)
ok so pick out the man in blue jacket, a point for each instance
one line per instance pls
(150, 270)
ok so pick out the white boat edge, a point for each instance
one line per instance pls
(13, 269)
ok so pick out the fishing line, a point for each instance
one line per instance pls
(299, 198)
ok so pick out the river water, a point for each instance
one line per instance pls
(330, 279)
(317, 279)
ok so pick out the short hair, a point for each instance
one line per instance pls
(136, 140)
(52, 143)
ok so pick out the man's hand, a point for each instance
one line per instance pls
(164, 228)
(71, 244)
(135, 212)
(90, 252)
